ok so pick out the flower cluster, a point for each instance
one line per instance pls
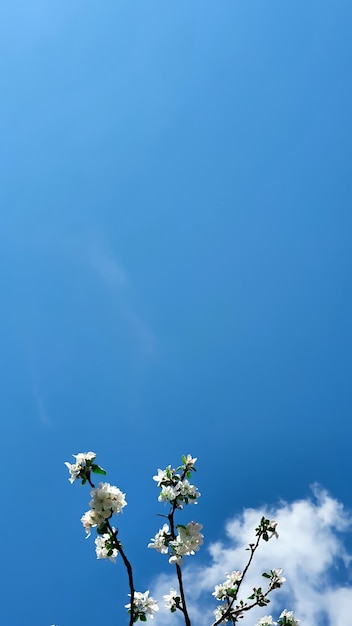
(177, 490)
(143, 605)
(231, 610)
(220, 616)
(188, 541)
(276, 580)
(175, 485)
(82, 465)
(267, 620)
(106, 500)
(267, 529)
(161, 540)
(229, 588)
(105, 547)
(172, 600)
(286, 618)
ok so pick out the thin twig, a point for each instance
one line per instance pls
(118, 546)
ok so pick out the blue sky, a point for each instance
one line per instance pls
(175, 264)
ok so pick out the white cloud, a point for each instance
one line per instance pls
(107, 267)
(103, 261)
(36, 389)
(39, 401)
(310, 550)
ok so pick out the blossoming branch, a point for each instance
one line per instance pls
(174, 540)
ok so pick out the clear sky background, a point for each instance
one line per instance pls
(175, 261)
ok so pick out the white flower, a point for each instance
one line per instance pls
(227, 589)
(91, 519)
(266, 621)
(233, 578)
(185, 489)
(171, 600)
(187, 542)
(160, 541)
(276, 579)
(103, 547)
(74, 470)
(167, 494)
(190, 537)
(190, 460)
(83, 457)
(220, 592)
(143, 604)
(290, 617)
(219, 612)
(107, 499)
(81, 461)
(162, 475)
(176, 559)
(272, 527)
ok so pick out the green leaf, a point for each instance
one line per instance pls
(266, 575)
(96, 469)
(143, 617)
(184, 459)
(232, 592)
